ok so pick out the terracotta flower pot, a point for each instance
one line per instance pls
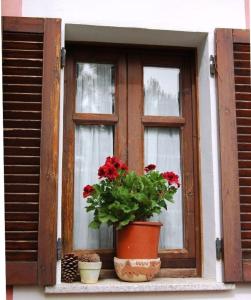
(138, 240)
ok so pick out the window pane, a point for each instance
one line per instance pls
(162, 147)
(95, 88)
(92, 145)
(161, 87)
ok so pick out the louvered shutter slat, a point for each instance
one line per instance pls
(243, 109)
(20, 244)
(26, 71)
(234, 91)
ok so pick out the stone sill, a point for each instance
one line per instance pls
(156, 285)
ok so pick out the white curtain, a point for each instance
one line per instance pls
(161, 87)
(95, 88)
(162, 145)
(95, 94)
(92, 145)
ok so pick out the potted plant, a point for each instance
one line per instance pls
(89, 267)
(127, 201)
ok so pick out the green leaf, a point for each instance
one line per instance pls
(103, 218)
(94, 224)
(124, 223)
(90, 208)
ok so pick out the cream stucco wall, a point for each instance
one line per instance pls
(165, 22)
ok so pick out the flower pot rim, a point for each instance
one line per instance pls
(90, 265)
(124, 260)
(146, 223)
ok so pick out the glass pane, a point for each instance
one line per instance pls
(92, 145)
(95, 88)
(162, 147)
(161, 87)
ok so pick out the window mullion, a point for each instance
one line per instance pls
(161, 121)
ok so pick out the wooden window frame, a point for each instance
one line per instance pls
(129, 117)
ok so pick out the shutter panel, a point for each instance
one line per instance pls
(31, 74)
(234, 95)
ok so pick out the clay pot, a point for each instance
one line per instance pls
(136, 270)
(138, 240)
(89, 271)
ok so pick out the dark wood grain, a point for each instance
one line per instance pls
(68, 156)
(23, 24)
(31, 50)
(21, 162)
(35, 97)
(121, 110)
(33, 54)
(21, 273)
(34, 45)
(15, 226)
(94, 119)
(135, 112)
(17, 216)
(233, 65)
(159, 121)
(243, 111)
(21, 255)
(241, 36)
(247, 270)
(17, 36)
(47, 236)
(21, 197)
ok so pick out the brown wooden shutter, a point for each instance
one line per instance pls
(31, 74)
(234, 96)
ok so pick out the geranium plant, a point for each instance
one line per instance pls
(122, 197)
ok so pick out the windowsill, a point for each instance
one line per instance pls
(156, 285)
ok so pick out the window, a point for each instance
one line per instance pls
(137, 104)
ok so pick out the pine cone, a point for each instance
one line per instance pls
(90, 257)
(69, 268)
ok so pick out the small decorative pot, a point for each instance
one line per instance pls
(136, 270)
(89, 271)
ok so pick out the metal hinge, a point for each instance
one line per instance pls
(219, 248)
(63, 56)
(59, 248)
(212, 65)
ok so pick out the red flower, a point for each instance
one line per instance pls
(117, 163)
(108, 170)
(171, 177)
(150, 167)
(111, 172)
(114, 161)
(87, 191)
(124, 167)
(102, 171)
